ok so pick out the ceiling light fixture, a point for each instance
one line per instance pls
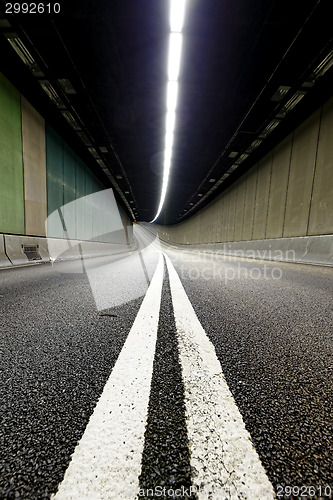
(324, 66)
(293, 101)
(23, 52)
(281, 92)
(241, 158)
(177, 13)
(86, 141)
(254, 145)
(51, 93)
(71, 120)
(269, 129)
(66, 86)
(93, 152)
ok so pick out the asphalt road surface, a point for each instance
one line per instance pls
(163, 373)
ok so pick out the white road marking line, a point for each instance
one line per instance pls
(106, 463)
(225, 463)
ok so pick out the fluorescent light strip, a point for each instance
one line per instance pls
(172, 95)
(175, 52)
(177, 11)
(168, 140)
(170, 122)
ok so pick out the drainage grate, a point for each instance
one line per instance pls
(31, 251)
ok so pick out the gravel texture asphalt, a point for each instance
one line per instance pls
(165, 459)
(273, 334)
(57, 352)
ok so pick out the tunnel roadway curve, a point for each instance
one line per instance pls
(165, 372)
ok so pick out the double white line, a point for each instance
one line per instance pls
(106, 463)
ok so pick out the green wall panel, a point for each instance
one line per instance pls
(11, 168)
(77, 207)
(69, 209)
(88, 223)
(69, 164)
(80, 194)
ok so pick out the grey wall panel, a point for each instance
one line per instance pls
(219, 220)
(225, 217)
(232, 212)
(212, 214)
(321, 215)
(250, 197)
(204, 224)
(302, 167)
(262, 196)
(34, 165)
(278, 189)
(239, 215)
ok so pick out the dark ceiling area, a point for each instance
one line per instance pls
(97, 71)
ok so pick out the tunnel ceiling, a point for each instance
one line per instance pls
(251, 71)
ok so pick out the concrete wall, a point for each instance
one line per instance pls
(78, 205)
(321, 213)
(34, 165)
(45, 188)
(288, 194)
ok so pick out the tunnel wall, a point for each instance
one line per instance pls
(71, 186)
(46, 190)
(11, 185)
(286, 196)
(34, 165)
